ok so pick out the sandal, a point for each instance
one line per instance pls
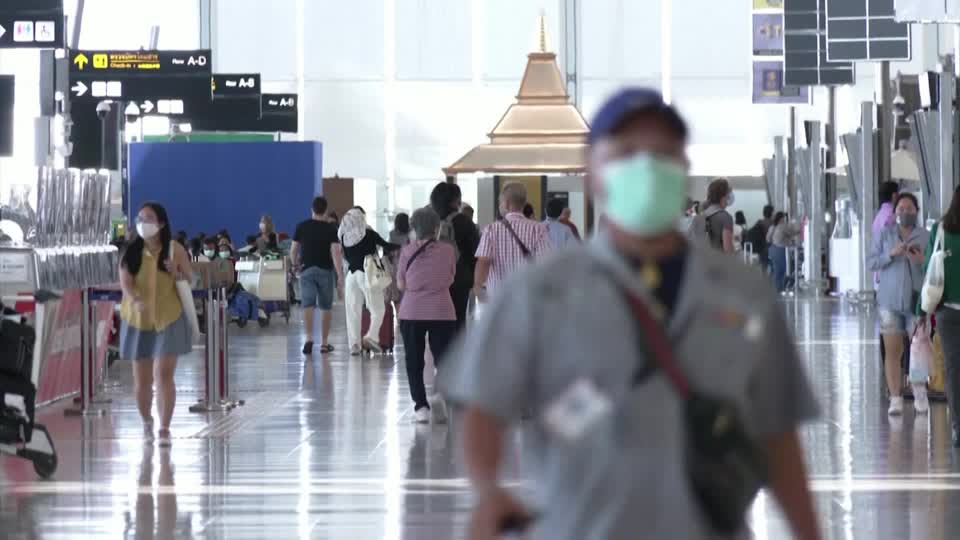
(326, 349)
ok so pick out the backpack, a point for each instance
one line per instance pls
(447, 234)
(701, 229)
(757, 235)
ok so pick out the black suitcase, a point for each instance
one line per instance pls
(16, 349)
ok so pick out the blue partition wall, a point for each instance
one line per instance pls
(207, 187)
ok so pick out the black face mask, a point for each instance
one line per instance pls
(907, 220)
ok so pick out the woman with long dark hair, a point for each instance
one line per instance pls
(456, 228)
(154, 329)
(948, 313)
(401, 230)
(897, 257)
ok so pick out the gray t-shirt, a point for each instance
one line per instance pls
(718, 220)
(562, 320)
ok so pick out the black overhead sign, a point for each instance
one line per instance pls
(242, 85)
(140, 75)
(270, 113)
(865, 30)
(31, 24)
(279, 104)
(805, 47)
(95, 63)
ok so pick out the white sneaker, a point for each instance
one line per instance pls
(372, 345)
(896, 406)
(438, 409)
(921, 403)
(422, 415)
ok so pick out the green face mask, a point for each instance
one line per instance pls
(645, 194)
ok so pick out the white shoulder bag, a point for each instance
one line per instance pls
(185, 292)
(933, 282)
(378, 277)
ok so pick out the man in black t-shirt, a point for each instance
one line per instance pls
(316, 252)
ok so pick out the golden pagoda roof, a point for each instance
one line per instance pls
(541, 133)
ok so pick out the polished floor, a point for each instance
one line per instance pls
(325, 448)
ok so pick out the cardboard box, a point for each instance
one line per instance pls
(215, 274)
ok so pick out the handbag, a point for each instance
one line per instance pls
(725, 467)
(185, 292)
(933, 282)
(921, 354)
(376, 273)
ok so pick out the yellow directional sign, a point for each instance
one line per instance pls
(81, 60)
(100, 61)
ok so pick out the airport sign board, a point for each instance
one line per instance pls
(32, 24)
(237, 85)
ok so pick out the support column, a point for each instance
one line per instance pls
(206, 23)
(886, 125)
(946, 130)
(779, 201)
(868, 193)
(570, 46)
(792, 193)
(830, 179)
(815, 215)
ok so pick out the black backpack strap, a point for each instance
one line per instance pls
(523, 247)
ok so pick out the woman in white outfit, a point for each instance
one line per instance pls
(358, 242)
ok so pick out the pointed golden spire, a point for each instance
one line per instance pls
(543, 30)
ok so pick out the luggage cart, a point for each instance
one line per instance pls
(20, 435)
(267, 280)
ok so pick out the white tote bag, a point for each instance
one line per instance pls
(378, 277)
(185, 292)
(932, 292)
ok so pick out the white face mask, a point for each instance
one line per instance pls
(147, 230)
(209, 253)
(263, 227)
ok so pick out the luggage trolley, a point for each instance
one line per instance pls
(20, 363)
(20, 435)
(267, 280)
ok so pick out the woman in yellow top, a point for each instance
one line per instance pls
(154, 330)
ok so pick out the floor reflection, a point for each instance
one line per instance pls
(325, 448)
(155, 513)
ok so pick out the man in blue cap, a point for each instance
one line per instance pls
(576, 345)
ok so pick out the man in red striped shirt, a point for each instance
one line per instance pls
(508, 243)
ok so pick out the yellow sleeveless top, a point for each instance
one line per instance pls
(158, 291)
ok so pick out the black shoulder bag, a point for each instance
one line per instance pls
(418, 252)
(523, 247)
(725, 467)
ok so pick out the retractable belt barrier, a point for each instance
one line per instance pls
(216, 372)
(85, 402)
(216, 384)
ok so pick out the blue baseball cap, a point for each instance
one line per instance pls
(627, 104)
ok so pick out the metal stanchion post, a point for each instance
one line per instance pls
(796, 271)
(87, 355)
(224, 356)
(211, 401)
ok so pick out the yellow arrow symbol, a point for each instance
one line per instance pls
(81, 60)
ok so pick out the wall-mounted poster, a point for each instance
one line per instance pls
(768, 34)
(767, 4)
(768, 86)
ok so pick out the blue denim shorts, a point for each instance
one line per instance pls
(895, 322)
(316, 288)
